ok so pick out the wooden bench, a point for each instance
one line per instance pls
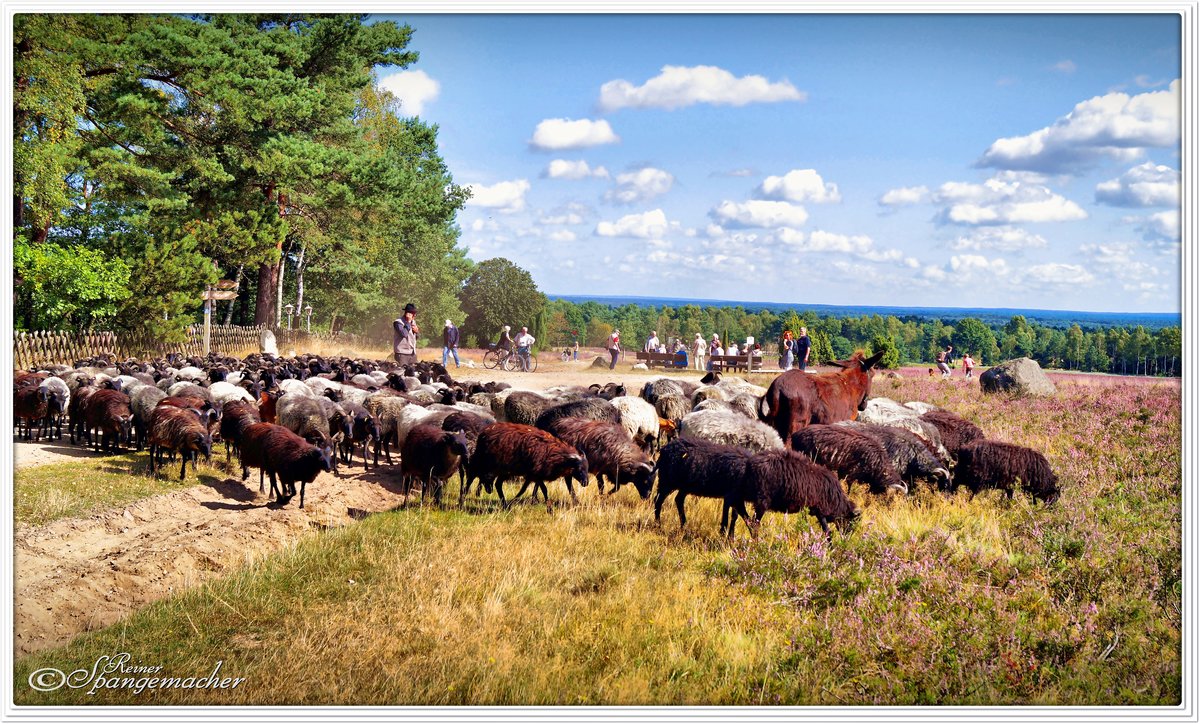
(743, 362)
(661, 359)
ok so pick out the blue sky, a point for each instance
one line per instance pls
(916, 160)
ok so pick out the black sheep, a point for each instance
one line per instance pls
(855, 456)
(692, 466)
(238, 415)
(508, 449)
(592, 408)
(470, 425)
(787, 482)
(277, 451)
(912, 456)
(609, 451)
(431, 454)
(108, 411)
(363, 429)
(179, 430)
(955, 430)
(992, 464)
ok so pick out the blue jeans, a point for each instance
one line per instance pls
(446, 352)
(576, 354)
(523, 357)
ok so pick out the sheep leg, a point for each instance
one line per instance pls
(303, 484)
(152, 467)
(183, 468)
(658, 503)
(824, 525)
(679, 504)
(570, 489)
(500, 491)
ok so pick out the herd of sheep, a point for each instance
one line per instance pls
(294, 418)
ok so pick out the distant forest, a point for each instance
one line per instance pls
(908, 340)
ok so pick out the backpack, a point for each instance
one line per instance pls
(941, 356)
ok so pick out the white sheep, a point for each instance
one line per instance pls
(729, 428)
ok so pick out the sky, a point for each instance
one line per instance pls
(1028, 161)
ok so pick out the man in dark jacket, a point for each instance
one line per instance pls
(404, 336)
(803, 347)
(449, 343)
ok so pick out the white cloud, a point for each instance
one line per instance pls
(1117, 259)
(507, 197)
(413, 88)
(484, 225)
(1064, 66)
(1003, 202)
(758, 214)
(641, 185)
(905, 195)
(573, 170)
(1113, 126)
(561, 235)
(1056, 274)
(1160, 227)
(800, 185)
(827, 242)
(678, 86)
(735, 173)
(1144, 185)
(998, 238)
(969, 264)
(650, 225)
(558, 134)
(569, 217)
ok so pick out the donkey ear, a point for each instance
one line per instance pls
(873, 360)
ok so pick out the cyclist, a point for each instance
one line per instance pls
(525, 341)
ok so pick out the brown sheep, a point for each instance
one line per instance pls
(609, 451)
(237, 416)
(31, 403)
(108, 411)
(508, 450)
(857, 457)
(277, 451)
(178, 430)
(431, 455)
(787, 482)
(955, 430)
(992, 464)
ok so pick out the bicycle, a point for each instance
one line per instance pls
(514, 362)
(496, 357)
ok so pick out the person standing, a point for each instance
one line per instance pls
(614, 347)
(714, 349)
(789, 348)
(449, 343)
(803, 347)
(525, 342)
(652, 342)
(404, 336)
(698, 351)
(575, 344)
(968, 365)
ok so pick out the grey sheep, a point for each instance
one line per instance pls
(729, 428)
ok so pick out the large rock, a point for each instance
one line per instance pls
(601, 362)
(266, 343)
(1022, 377)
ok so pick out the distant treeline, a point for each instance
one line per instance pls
(907, 340)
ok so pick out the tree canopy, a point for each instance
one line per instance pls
(497, 293)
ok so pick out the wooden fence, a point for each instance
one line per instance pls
(35, 349)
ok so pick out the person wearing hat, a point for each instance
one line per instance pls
(449, 343)
(524, 342)
(404, 336)
(698, 350)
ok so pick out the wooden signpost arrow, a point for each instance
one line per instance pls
(222, 290)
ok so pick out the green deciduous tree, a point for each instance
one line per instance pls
(497, 293)
(891, 355)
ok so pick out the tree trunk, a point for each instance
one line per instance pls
(264, 307)
(279, 290)
(237, 278)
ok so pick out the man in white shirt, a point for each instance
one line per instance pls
(524, 342)
(652, 343)
(698, 351)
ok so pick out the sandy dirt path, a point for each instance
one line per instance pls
(79, 574)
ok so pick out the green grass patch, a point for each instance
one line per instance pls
(44, 493)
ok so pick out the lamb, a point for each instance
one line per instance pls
(700, 467)
(729, 428)
(277, 451)
(992, 464)
(853, 455)
(178, 430)
(523, 407)
(238, 415)
(955, 431)
(639, 418)
(431, 455)
(787, 482)
(609, 451)
(108, 411)
(914, 458)
(508, 449)
(591, 408)
(142, 402)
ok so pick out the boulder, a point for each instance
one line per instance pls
(884, 411)
(266, 343)
(1021, 377)
(640, 366)
(601, 362)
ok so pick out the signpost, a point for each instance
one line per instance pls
(223, 290)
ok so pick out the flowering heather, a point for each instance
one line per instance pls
(937, 600)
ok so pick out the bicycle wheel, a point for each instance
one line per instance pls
(507, 363)
(532, 362)
(490, 360)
